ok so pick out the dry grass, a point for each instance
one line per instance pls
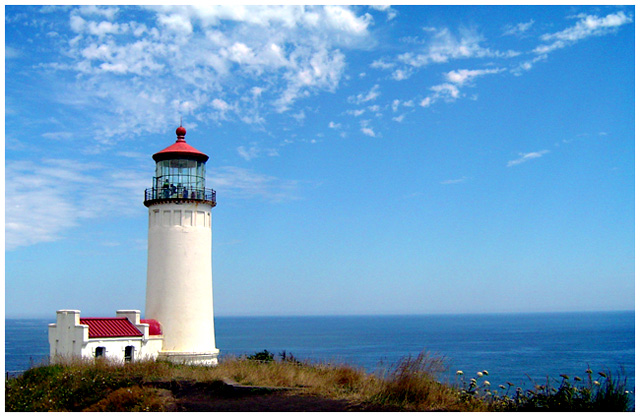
(135, 399)
(105, 386)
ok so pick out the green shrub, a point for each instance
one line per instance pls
(264, 356)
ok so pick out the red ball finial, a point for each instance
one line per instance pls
(181, 131)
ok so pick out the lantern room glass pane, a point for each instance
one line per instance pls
(181, 177)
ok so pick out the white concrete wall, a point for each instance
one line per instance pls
(179, 281)
(67, 336)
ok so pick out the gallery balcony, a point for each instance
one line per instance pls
(176, 194)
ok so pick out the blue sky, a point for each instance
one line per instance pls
(367, 160)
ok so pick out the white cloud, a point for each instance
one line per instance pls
(282, 54)
(454, 181)
(398, 118)
(177, 23)
(464, 76)
(401, 74)
(587, 26)
(526, 157)
(365, 97)
(446, 91)
(220, 105)
(334, 125)
(368, 131)
(248, 154)
(92, 10)
(240, 183)
(10, 53)
(345, 20)
(47, 198)
(381, 64)
(58, 135)
(77, 23)
(366, 128)
(441, 47)
(391, 13)
(445, 46)
(519, 28)
(356, 113)
(527, 65)
(300, 116)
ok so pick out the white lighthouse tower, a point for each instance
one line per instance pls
(179, 282)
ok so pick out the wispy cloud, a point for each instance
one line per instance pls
(454, 181)
(518, 28)
(241, 183)
(444, 46)
(248, 154)
(285, 53)
(446, 91)
(465, 76)
(391, 13)
(48, 197)
(58, 135)
(365, 127)
(587, 26)
(366, 97)
(524, 157)
(255, 151)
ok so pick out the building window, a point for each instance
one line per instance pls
(128, 354)
(100, 350)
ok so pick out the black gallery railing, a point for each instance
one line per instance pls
(182, 193)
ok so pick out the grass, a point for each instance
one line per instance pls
(409, 385)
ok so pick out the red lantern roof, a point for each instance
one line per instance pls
(155, 329)
(180, 150)
(110, 327)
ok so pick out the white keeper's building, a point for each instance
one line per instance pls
(178, 326)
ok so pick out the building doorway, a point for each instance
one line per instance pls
(128, 353)
(100, 351)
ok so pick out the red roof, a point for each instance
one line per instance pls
(110, 327)
(180, 149)
(155, 329)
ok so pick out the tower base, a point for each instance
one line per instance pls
(190, 358)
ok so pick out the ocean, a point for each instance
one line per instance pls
(519, 348)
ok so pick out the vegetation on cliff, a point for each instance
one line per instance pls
(409, 385)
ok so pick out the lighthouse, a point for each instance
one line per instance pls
(179, 310)
(179, 291)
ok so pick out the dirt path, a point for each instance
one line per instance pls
(221, 396)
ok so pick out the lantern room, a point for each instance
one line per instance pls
(180, 174)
